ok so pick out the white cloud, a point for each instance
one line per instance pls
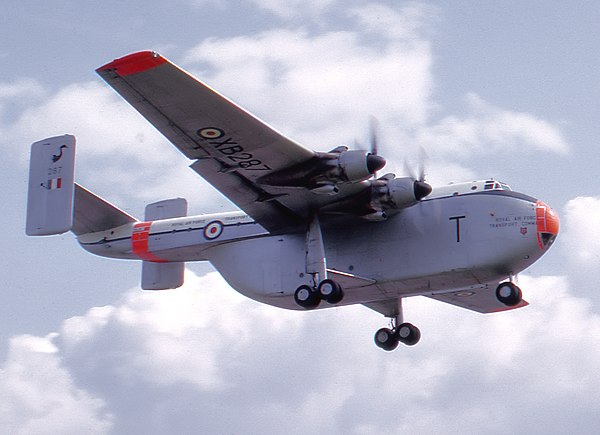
(489, 128)
(39, 395)
(186, 331)
(14, 95)
(24, 87)
(407, 21)
(204, 351)
(289, 9)
(320, 89)
(583, 236)
(284, 9)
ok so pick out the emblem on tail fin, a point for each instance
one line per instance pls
(56, 157)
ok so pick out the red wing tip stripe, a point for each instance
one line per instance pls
(134, 63)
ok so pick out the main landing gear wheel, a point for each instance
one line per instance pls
(307, 297)
(330, 291)
(408, 334)
(509, 294)
(388, 339)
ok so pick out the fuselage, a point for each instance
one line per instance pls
(463, 236)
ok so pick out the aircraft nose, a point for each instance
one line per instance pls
(548, 224)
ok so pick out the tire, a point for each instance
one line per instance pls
(509, 294)
(306, 297)
(330, 291)
(386, 339)
(408, 334)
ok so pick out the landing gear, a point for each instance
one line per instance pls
(322, 288)
(408, 334)
(307, 297)
(400, 332)
(330, 291)
(509, 294)
(388, 339)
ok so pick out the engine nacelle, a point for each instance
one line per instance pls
(358, 165)
(400, 193)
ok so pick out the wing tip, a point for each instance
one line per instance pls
(134, 63)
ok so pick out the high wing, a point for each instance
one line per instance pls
(264, 173)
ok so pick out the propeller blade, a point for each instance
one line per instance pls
(423, 157)
(408, 170)
(373, 132)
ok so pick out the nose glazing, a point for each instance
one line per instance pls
(548, 224)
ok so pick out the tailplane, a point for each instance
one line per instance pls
(92, 213)
(164, 276)
(56, 204)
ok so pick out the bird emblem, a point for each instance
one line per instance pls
(55, 157)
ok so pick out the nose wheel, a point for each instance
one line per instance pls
(509, 294)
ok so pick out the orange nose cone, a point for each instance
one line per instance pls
(548, 224)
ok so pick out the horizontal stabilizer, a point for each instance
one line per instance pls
(93, 214)
(50, 193)
(169, 208)
(164, 276)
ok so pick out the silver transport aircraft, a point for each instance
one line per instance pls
(316, 230)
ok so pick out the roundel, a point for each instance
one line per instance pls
(210, 133)
(213, 230)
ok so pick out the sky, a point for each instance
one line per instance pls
(490, 89)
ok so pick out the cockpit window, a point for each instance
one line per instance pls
(547, 239)
(492, 184)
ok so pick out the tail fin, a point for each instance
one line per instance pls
(93, 214)
(50, 193)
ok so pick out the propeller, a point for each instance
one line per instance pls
(374, 161)
(422, 188)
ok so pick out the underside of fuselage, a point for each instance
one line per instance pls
(439, 245)
(443, 244)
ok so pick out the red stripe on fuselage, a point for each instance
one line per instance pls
(134, 63)
(139, 243)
